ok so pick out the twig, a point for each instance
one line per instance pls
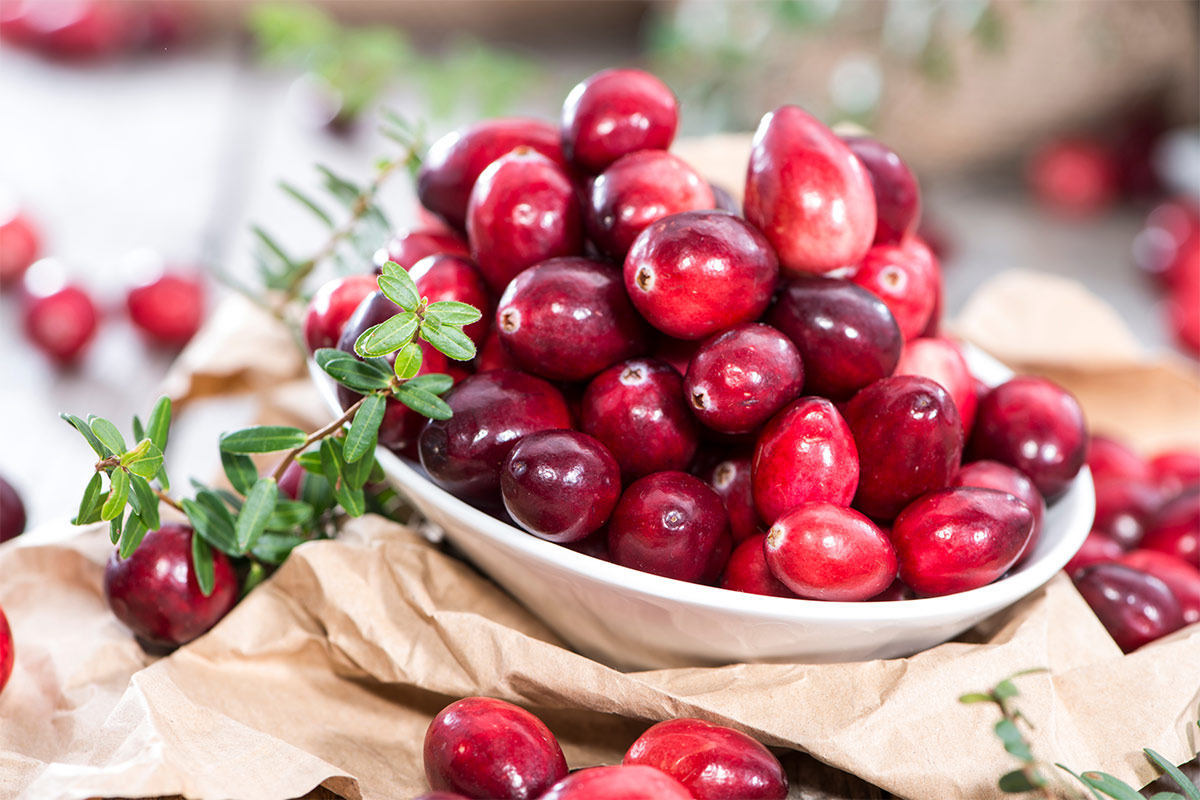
(316, 436)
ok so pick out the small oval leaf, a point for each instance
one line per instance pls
(108, 434)
(452, 312)
(408, 361)
(263, 439)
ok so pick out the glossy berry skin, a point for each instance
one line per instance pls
(1075, 177)
(290, 483)
(809, 194)
(12, 512)
(560, 485)
(731, 480)
(493, 354)
(718, 560)
(7, 651)
(676, 352)
(1097, 548)
(1174, 469)
(331, 307)
(523, 210)
(616, 112)
(941, 361)
(713, 762)
(618, 783)
(19, 246)
(905, 276)
(168, 310)
(667, 524)
(1036, 426)
(909, 439)
(846, 336)
(1109, 458)
(805, 454)
(695, 274)
(1181, 578)
(455, 161)
(897, 196)
(822, 551)
(1125, 508)
(492, 412)
(453, 277)
(737, 380)
(408, 247)
(154, 592)
(958, 539)
(637, 410)
(62, 324)
(637, 190)
(485, 748)
(568, 319)
(1003, 478)
(747, 570)
(1135, 607)
(1176, 528)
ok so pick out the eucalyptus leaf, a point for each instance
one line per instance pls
(274, 548)
(159, 425)
(131, 537)
(452, 312)
(117, 495)
(263, 439)
(432, 382)
(364, 430)
(423, 402)
(450, 340)
(89, 506)
(256, 511)
(408, 361)
(108, 434)
(388, 336)
(147, 501)
(81, 426)
(202, 563)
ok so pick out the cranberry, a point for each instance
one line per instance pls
(667, 524)
(1183, 308)
(808, 193)
(75, 29)
(1175, 469)
(846, 336)
(635, 191)
(909, 439)
(897, 591)
(480, 747)
(1181, 578)
(1134, 606)
(1074, 176)
(731, 480)
(695, 274)
(453, 277)
(1003, 478)
(1036, 426)
(718, 560)
(1169, 240)
(897, 196)
(523, 210)
(1125, 508)
(905, 276)
(747, 570)
(168, 310)
(616, 112)
(618, 783)
(1176, 528)
(12, 512)
(62, 323)
(737, 380)
(805, 454)
(958, 539)
(1109, 458)
(637, 410)
(291, 480)
(941, 361)
(492, 412)
(713, 762)
(933, 327)
(19, 245)
(7, 651)
(724, 201)
(408, 247)
(330, 308)
(1097, 548)
(455, 161)
(569, 318)
(827, 552)
(155, 594)
(493, 354)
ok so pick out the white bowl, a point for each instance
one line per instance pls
(635, 620)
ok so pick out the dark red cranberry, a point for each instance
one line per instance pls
(809, 194)
(1097, 548)
(1181, 578)
(737, 380)
(846, 336)
(7, 650)
(897, 196)
(455, 161)
(724, 201)
(408, 247)
(1003, 478)
(711, 761)
(667, 524)
(493, 354)
(77, 29)
(637, 410)
(614, 113)
(453, 277)
(12, 512)
(168, 310)
(486, 748)
(827, 552)
(958, 539)
(594, 545)
(695, 274)
(62, 323)
(731, 480)
(492, 412)
(1110, 458)
(291, 480)
(718, 560)
(1175, 469)
(1074, 176)
(523, 210)
(1134, 606)
(19, 246)
(1036, 426)
(909, 439)
(905, 276)
(1176, 527)
(747, 570)
(569, 318)
(155, 594)
(618, 783)
(941, 361)
(897, 591)
(1125, 508)
(635, 191)
(330, 308)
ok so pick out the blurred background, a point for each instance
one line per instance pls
(148, 139)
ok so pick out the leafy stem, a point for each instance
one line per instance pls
(317, 436)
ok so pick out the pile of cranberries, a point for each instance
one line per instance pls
(485, 748)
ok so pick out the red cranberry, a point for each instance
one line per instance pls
(1125, 508)
(809, 194)
(1169, 240)
(453, 277)
(805, 454)
(827, 552)
(569, 318)
(455, 161)
(291, 480)
(493, 354)
(155, 594)
(731, 480)
(523, 210)
(1134, 606)
(7, 651)
(1097, 548)
(933, 327)
(76, 29)
(594, 545)
(713, 762)
(941, 361)
(492, 411)
(897, 591)
(846, 336)
(485, 748)
(1183, 308)
(637, 410)
(330, 308)
(740, 378)
(616, 112)
(905, 276)
(1175, 469)
(61, 324)
(408, 247)
(1181, 578)
(724, 201)
(1036, 426)
(909, 439)
(695, 274)
(635, 191)
(958, 539)
(1003, 478)
(747, 570)
(618, 783)
(12, 512)
(897, 196)
(19, 245)
(718, 560)
(667, 524)
(1109, 458)
(1176, 528)
(168, 310)
(1077, 177)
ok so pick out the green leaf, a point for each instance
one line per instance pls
(256, 511)
(289, 514)
(139, 432)
(213, 522)
(1107, 784)
(160, 423)
(450, 340)
(452, 312)
(254, 576)
(352, 500)
(1014, 742)
(145, 460)
(316, 492)
(364, 430)
(331, 461)
(162, 479)
(114, 528)
(146, 500)
(1167, 796)
(976, 697)
(1190, 789)
(398, 286)
(308, 203)
(81, 426)
(311, 461)
(89, 506)
(339, 187)
(1016, 782)
(1005, 689)
(358, 472)
(108, 434)
(362, 376)
(263, 439)
(423, 402)
(388, 336)
(274, 548)
(117, 495)
(1079, 778)
(408, 361)
(131, 537)
(240, 471)
(432, 382)
(267, 241)
(202, 563)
